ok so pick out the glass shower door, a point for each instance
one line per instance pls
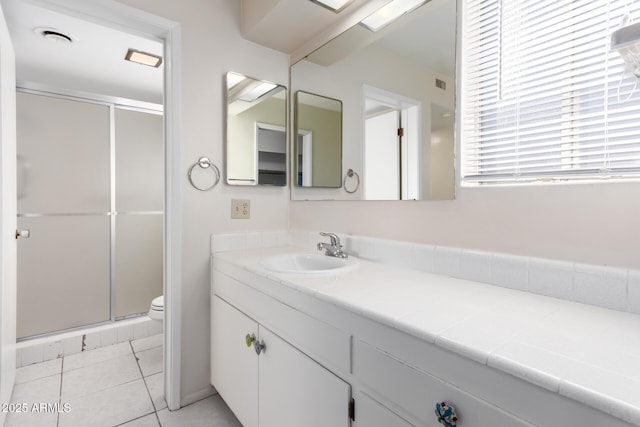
(64, 198)
(139, 202)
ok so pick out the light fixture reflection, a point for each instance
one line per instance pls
(389, 13)
(334, 5)
(258, 91)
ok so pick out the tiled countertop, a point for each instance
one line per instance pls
(586, 353)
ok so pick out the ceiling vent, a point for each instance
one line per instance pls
(55, 35)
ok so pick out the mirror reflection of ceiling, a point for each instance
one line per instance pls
(93, 62)
(435, 20)
(430, 28)
(297, 21)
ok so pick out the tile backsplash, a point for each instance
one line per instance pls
(608, 287)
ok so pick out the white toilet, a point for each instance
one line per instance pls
(156, 311)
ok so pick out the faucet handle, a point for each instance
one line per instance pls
(335, 240)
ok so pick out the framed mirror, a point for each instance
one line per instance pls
(256, 131)
(318, 149)
(396, 86)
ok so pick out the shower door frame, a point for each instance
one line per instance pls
(112, 104)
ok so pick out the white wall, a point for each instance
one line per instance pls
(212, 46)
(590, 223)
(442, 164)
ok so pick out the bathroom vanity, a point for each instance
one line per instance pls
(381, 346)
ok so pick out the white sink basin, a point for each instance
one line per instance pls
(309, 264)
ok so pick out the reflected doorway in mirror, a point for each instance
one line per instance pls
(392, 149)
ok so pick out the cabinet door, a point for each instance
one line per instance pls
(297, 391)
(234, 366)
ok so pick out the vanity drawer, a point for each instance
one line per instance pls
(371, 413)
(319, 340)
(417, 392)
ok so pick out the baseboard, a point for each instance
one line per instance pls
(199, 395)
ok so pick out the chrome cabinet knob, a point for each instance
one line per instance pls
(446, 414)
(259, 347)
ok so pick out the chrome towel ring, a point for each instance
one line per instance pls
(204, 163)
(350, 174)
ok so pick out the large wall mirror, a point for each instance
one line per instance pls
(256, 131)
(396, 87)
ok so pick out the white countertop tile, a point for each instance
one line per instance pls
(587, 353)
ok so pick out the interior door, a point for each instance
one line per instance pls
(297, 391)
(7, 215)
(382, 156)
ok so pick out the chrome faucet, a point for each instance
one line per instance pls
(333, 249)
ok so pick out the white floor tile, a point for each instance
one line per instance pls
(30, 419)
(110, 407)
(100, 376)
(26, 395)
(104, 387)
(147, 343)
(41, 390)
(155, 385)
(38, 370)
(209, 412)
(98, 355)
(150, 361)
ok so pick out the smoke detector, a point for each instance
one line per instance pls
(55, 35)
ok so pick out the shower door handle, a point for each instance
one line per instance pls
(25, 234)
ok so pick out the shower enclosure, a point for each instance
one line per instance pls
(90, 190)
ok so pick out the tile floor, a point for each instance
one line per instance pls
(119, 385)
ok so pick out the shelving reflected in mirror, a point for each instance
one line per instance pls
(396, 87)
(256, 131)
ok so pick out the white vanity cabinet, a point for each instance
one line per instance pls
(320, 352)
(265, 380)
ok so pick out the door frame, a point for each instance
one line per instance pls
(8, 220)
(123, 17)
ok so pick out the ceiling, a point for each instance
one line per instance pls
(93, 63)
(285, 25)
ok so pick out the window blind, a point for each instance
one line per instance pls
(543, 95)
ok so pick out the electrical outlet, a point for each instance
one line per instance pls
(240, 209)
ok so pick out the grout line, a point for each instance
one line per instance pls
(134, 419)
(144, 380)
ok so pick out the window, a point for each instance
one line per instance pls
(544, 97)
